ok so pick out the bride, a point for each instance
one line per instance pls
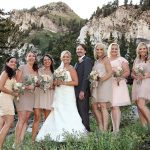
(64, 119)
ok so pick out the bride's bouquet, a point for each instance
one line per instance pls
(60, 74)
(19, 88)
(139, 70)
(118, 74)
(93, 78)
(45, 82)
(31, 81)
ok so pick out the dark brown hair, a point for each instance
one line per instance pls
(84, 46)
(52, 64)
(10, 72)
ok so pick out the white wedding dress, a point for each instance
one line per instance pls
(64, 119)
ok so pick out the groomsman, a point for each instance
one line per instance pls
(82, 91)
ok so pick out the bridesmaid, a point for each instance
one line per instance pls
(120, 89)
(43, 100)
(7, 112)
(141, 90)
(26, 102)
(100, 95)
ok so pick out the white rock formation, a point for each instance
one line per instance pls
(132, 22)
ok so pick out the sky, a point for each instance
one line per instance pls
(84, 8)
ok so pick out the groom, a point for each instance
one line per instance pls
(82, 91)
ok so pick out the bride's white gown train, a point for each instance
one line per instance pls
(64, 118)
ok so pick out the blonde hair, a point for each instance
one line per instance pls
(65, 52)
(138, 47)
(102, 46)
(109, 49)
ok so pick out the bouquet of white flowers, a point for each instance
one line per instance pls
(93, 78)
(19, 88)
(45, 82)
(60, 74)
(118, 73)
(30, 80)
(139, 70)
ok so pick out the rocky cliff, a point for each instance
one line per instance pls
(52, 17)
(131, 22)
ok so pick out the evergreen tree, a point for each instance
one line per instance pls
(67, 41)
(98, 12)
(111, 38)
(131, 53)
(126, 3)
(123, 45)
(116, 2)
(130, 56)
(10, 36)
(42, 26)
(60, 22)
(131, 3)
(141, 2)
(146, 5)
(89, 45)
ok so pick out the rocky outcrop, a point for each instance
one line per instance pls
(53, 17)
(131, 22)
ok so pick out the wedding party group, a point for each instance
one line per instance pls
(63, 94)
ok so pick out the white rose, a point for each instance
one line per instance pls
(35, 79)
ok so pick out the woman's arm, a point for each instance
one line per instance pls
(19, 75)
(108, 69)
(146, 75)
(126, 70)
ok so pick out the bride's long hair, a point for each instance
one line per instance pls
(61, 56)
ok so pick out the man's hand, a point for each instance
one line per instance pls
(81, 95)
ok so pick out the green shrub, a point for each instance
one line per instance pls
(131, 137)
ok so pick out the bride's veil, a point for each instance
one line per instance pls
(61, 65)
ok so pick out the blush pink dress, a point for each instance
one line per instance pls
(141, 90)
(43, 99)
(26, 101)
(103, 92)
(120, 92)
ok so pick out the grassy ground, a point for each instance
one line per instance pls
(131, 137)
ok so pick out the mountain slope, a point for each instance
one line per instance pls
(53, 17)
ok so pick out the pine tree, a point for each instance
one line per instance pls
(10, 36)
(141, 2)
(126, 3)
(111, 38)
(131, 54)
(146, 5)
(131, 3)
(116, 2)
(42, 26)
(123, 45)
(89, 45)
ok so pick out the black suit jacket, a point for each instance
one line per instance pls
(83, 70)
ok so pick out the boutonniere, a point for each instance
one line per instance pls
(80, 61)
